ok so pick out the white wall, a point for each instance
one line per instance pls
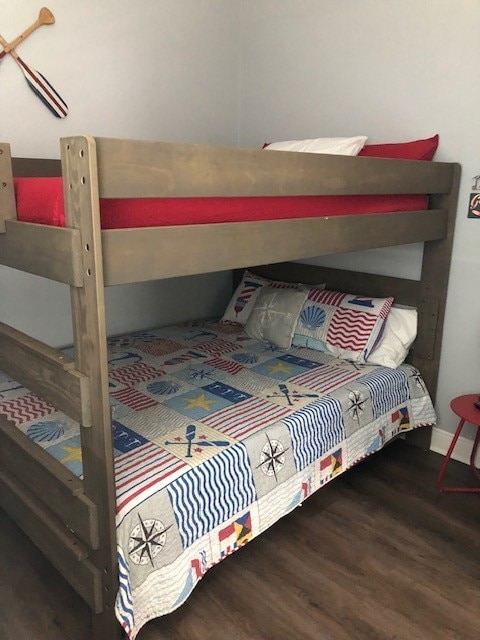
(162, 70)
(393, 71)
(159, 70)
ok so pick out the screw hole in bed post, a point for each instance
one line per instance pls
(81, 153)
(89, 272)
(83, 180)
(4, 184)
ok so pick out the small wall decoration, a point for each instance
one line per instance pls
(35, 80)
(474, 206)
(474, 200)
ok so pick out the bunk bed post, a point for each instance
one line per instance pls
(8, 209)
(433, 296)
(79, 167)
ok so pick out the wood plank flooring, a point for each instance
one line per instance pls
(377, 554)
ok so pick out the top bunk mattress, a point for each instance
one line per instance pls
(40, 200)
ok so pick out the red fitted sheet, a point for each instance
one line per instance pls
(40, 200)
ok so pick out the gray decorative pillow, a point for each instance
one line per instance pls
(275, 315)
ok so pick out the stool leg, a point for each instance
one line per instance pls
(474, 453)
(448, 456)
(445, 462)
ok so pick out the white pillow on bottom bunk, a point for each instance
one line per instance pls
(399, 332)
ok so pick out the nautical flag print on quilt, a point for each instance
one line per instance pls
(216, 436)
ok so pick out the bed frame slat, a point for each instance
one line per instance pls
(135, 255)
(55, 541)
(34, 167)
(46, 372)
(50, 481)
(29, 247)
(129, 168)
(405, 291)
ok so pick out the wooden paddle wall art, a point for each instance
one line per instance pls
(40, 86)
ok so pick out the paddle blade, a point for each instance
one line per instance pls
(44, 90)
(190, 432)
(46, 16)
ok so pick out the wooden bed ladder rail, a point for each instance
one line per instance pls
(8, 209)
(58, 490)
(45, 371)
(47, 501)
(65, 552)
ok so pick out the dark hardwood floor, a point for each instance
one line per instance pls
(377, 554)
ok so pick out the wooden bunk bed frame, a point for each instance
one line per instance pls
(71, 520)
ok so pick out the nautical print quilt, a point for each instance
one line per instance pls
(216, 437)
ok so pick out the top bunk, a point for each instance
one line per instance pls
(97, 169)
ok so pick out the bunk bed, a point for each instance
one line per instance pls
(72, 519)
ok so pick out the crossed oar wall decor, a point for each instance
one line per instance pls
(35, 80)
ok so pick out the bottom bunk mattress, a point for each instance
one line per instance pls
(216, 437)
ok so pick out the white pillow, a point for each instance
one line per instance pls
(399, 332)
(335, 146)
(275, 315)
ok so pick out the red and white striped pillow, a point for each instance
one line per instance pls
(348, 325)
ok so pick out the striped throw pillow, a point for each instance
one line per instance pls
(348, 324)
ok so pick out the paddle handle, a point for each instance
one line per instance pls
(12, 52)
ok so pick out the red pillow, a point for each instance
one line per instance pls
(415, 150)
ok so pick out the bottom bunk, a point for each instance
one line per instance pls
(216, 437)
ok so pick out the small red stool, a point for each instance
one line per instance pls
(465, 408)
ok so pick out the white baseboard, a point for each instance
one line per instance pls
(441, 441)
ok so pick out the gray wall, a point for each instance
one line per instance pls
(393, 71)
(144, 69)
